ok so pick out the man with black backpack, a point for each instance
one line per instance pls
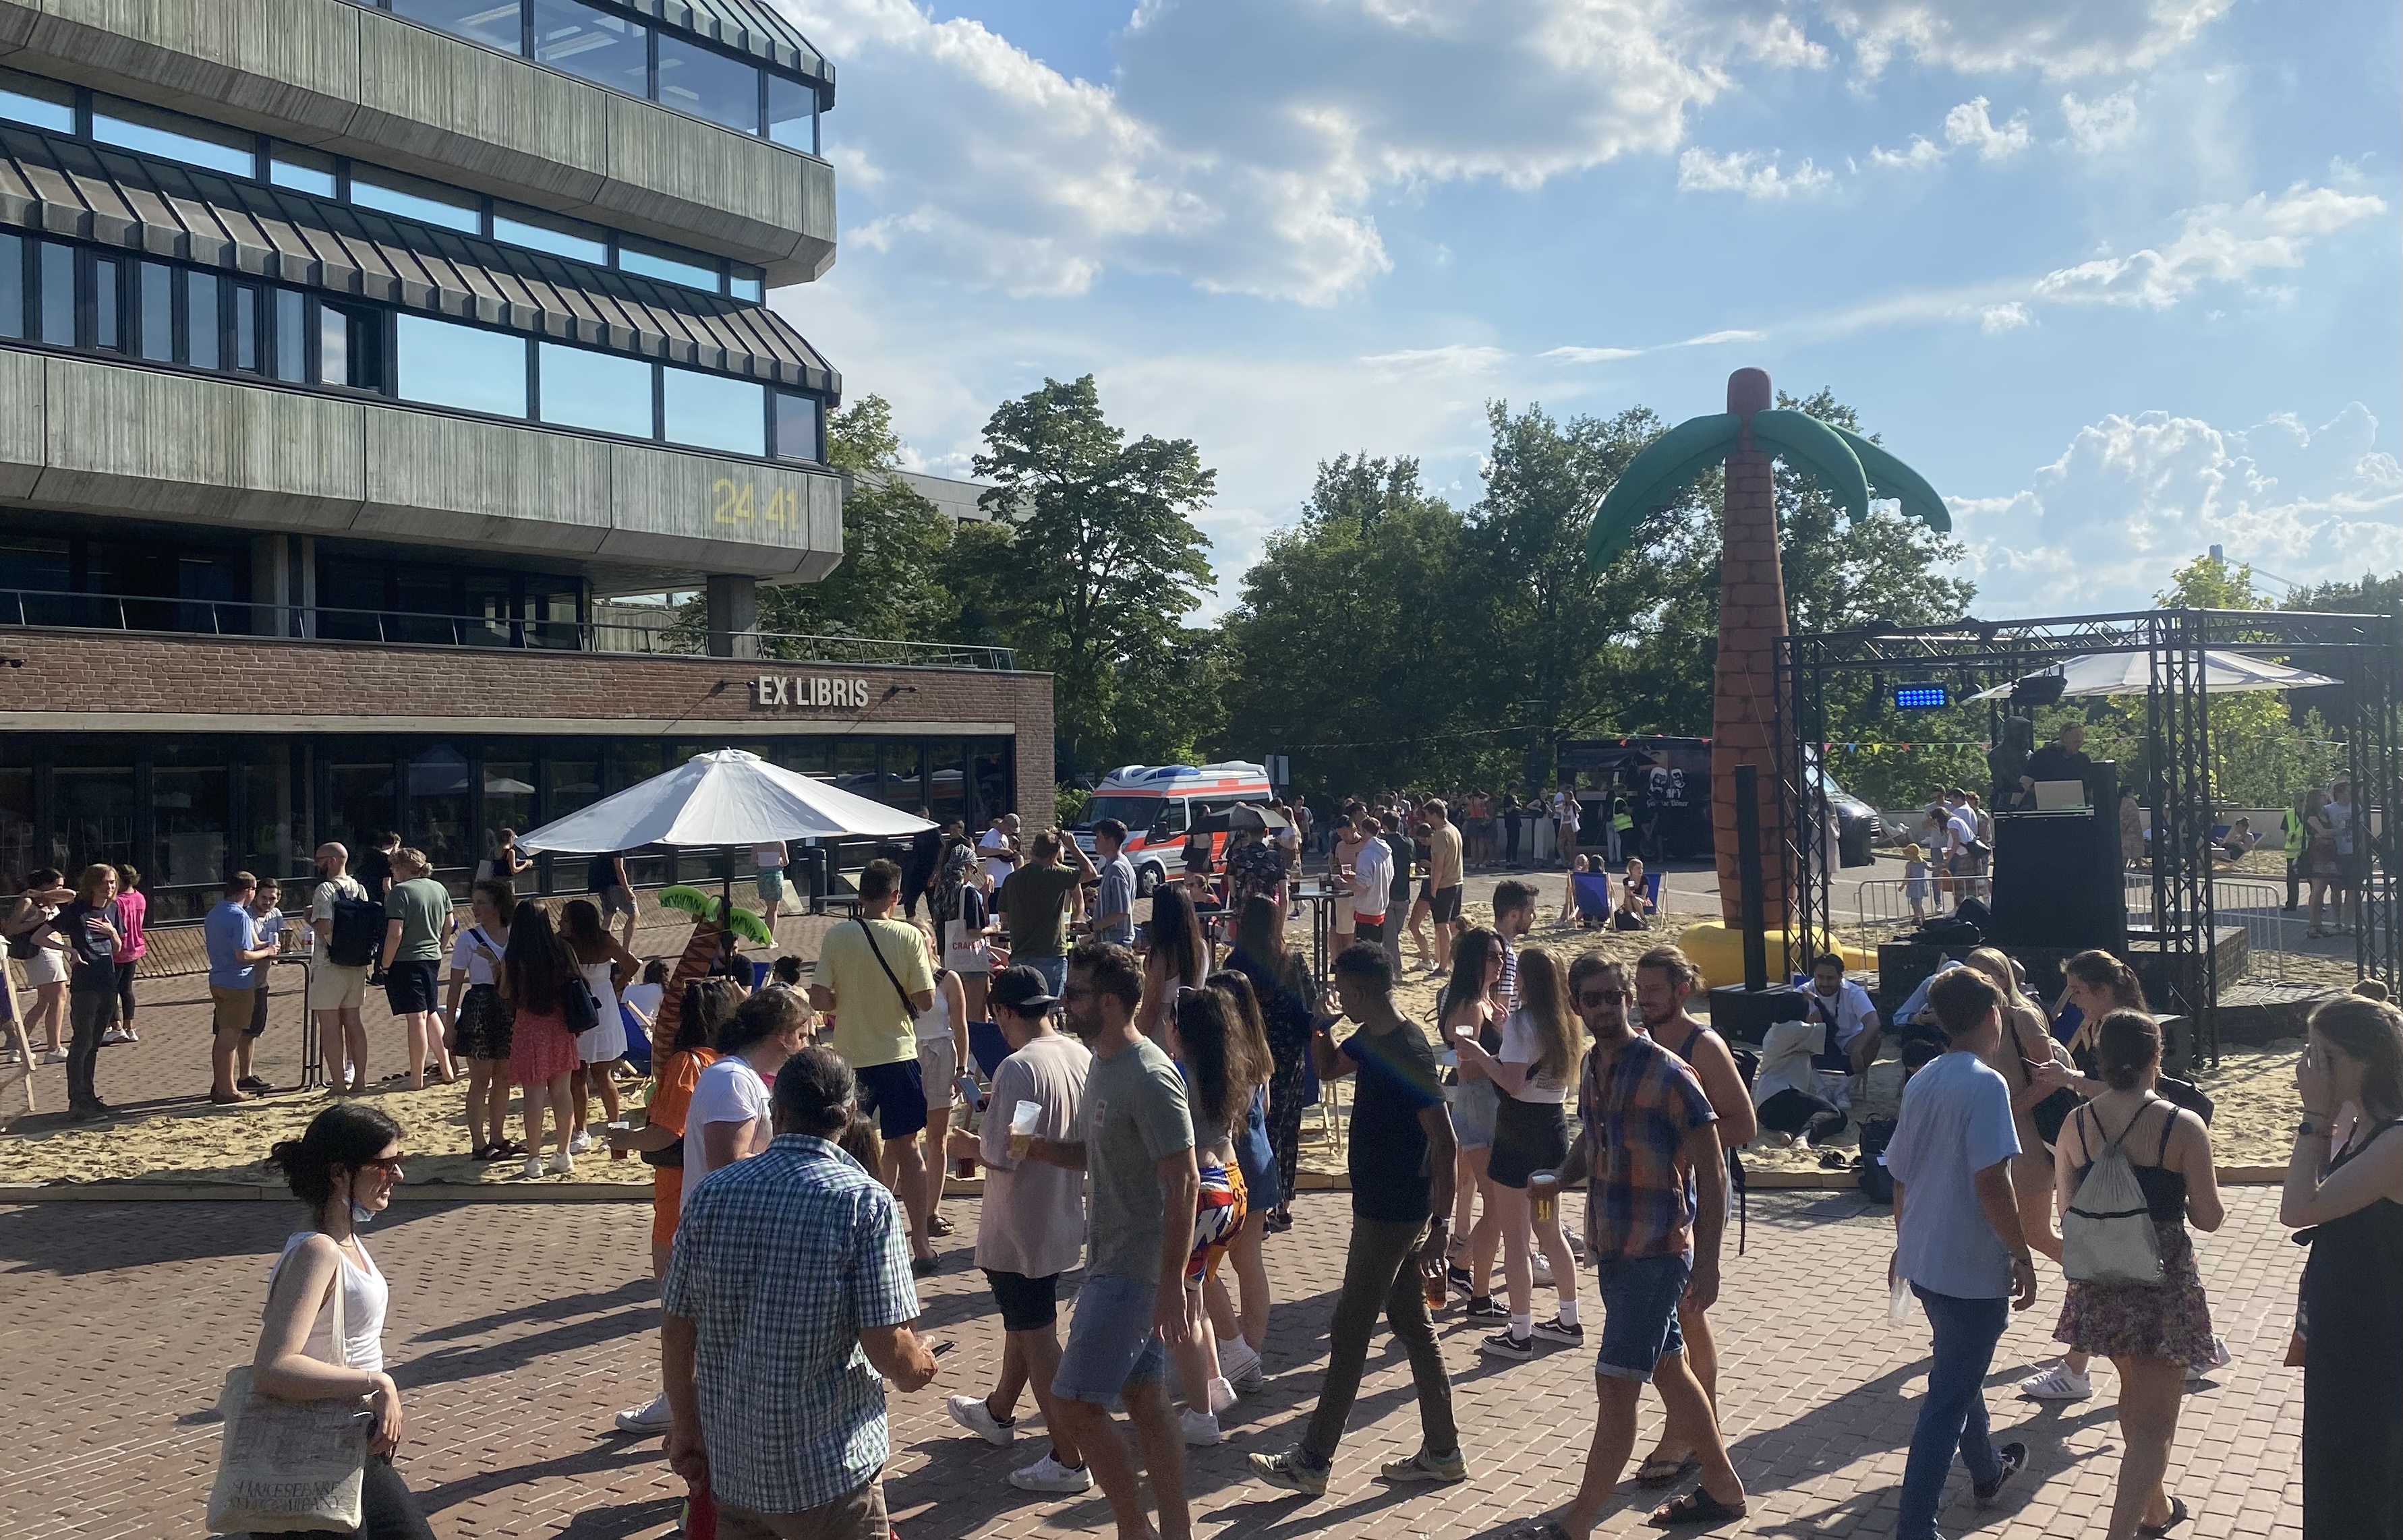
(350, 926)
(874, 979)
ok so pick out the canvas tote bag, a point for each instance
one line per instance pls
(289, 1466)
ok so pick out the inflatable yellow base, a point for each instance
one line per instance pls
(1718, 949)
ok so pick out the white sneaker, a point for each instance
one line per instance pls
(2058, 1384)
(579, 1143)
(1198, 1427)
(1222, 1396)
(970, 1412)
(1048, 1475)
(533, 1166)
(653, 1418)
(55, 1056)
(1543, 1271)
(114, 1036)
(1240, 1362)
(563, 1164)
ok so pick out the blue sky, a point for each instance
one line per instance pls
(2120, 276)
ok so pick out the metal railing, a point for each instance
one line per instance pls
(618, 635)
(2272, 935)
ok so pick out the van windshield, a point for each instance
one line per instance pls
(1136, 813)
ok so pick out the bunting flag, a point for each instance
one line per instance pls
(1906, 748)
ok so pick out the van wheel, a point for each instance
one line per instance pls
(1147, 881)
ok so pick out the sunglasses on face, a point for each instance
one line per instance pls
(1602, 997)
(388, 1166)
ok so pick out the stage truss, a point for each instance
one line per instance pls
(2363, 651)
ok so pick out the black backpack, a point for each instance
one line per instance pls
(358, 932)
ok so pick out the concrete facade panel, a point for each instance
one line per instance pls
(718, 515)
(470, 483)
(23, 419)
(427, 98)
(129, 440)
(721, 185)
(268, 61)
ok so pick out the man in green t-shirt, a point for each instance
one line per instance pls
(1040, 901)
(416, 921)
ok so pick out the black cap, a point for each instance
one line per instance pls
(1023, 990)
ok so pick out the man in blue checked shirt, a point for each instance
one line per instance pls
(787, 1295)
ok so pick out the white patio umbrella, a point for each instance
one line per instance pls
(727, 797)
(2131, 673)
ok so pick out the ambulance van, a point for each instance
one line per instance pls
(1160, 804)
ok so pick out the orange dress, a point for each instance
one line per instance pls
(671, 1100)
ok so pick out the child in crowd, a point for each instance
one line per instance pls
(1915, 886)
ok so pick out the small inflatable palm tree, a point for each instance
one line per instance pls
(1752, 588)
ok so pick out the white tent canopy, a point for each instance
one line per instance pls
(2131, 673)
(723, 798)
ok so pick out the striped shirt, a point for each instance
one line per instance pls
(1635, 1115)
(780, 1262)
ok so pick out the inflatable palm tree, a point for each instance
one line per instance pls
(1749, 435)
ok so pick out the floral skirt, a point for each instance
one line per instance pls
(2165, 1320)
(540, 1047)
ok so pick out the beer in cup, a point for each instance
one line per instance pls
(1023, 1119)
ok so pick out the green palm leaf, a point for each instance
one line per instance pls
(1801, 440)
(1654, 479)
(1890, 477)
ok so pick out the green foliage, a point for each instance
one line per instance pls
(1069, 805)
(1102, 559)
(2371, 595)
(894, 542)
(2211, 583)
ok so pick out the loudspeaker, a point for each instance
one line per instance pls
(2057, 880)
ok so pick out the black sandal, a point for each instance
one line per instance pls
(2178, 1515)
(1695, 1507)
(1659, 1472)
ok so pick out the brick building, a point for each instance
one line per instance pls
(364, 366)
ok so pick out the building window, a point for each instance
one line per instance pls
(415, 198)
(312, 171)
(793, 114)
(708, 84)
(246, 351)
(797, 427)
(12, 285)
(676, 266)
(350, 350)
(590, 44)
(36, 103)
(555, 233)
(443, 364)
(157, 313)
(204, 324)
(291, 336)
(155, 131)
(58, 294)
(107, 295)
(598, 391)
(491, 22)
(711, 412)
(745, 283)
(190, 798)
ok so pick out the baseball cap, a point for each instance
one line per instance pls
(1023, 990)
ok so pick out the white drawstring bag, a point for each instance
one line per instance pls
(2107, 1236)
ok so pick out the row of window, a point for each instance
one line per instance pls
(56, 107)
(75, 297)
(596, 44)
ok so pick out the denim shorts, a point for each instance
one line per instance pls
(1639, 1312)
(1111, 1344)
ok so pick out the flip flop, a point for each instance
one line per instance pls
(2178, 1515)
(1695, 1507)
(1659, 1472)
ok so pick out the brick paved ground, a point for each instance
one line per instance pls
(517, 1329)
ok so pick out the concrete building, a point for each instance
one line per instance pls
(351, 352)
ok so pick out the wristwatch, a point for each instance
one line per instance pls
(2309, 1128)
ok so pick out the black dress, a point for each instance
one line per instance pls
(2353, 1375)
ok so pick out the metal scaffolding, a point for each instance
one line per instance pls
(2365, 652)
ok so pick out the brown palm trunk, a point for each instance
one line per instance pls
(1752, 618)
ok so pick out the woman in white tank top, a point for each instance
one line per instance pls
(343, 1170)
(602, 961)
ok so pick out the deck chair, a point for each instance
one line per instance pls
(1592, 890)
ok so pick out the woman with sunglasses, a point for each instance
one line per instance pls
(343, 1170)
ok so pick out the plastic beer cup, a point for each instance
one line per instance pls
(1544, 1196)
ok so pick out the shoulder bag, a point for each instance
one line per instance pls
(576, 1004)
(287, 1467)
(877, 952)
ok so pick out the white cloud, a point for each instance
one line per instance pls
(2132, 497)
(1571, 354)
(2060, 38)
(2217, 244)
(1712, 339)
(1970, 126)
(1995, 319)
(1749, 173)
(1921, 153)
(2105, 123)
(1452, 359)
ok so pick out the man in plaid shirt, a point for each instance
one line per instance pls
(1644, 1129)
(788, 1293)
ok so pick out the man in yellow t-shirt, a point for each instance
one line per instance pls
(874, 979)
(1445, 876)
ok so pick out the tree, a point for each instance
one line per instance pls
(2264, 749)
(1104, 557)
(1338, 652)
(890, 583)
